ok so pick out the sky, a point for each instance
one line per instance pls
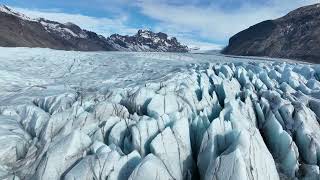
(207, 24)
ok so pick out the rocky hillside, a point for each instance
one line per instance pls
(146, 40)
(295, 36)
(18, 30)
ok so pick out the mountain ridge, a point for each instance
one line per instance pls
(19, 30)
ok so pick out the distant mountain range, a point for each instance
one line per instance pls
(146, 40)
(18, 30)
(294, 36)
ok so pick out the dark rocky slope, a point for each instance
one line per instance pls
(17, 30)
(295, 36)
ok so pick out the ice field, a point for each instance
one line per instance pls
(118, 115)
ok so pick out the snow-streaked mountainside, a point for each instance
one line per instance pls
(95, 115)
(18, 30)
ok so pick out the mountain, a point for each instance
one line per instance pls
(294, 36)
(146, 40)
(18, 30)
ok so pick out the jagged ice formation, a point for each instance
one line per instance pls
(236, 120)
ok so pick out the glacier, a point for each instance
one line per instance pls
(124, 115)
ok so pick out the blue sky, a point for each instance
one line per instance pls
(203, 23)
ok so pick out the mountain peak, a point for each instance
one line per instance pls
(144, 31)
(4, 8)
(9, 11)
(147, 40)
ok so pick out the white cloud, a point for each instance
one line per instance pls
(103, 26)
(187, 38)
(202, 45)
(212, 22)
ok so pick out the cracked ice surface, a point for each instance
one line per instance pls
(72, 115)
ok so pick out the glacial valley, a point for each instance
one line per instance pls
(110, 115)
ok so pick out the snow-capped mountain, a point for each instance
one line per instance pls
(146, 40)
(18, 30)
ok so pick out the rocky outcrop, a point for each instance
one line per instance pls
(294, 36)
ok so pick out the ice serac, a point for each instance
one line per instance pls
(307, 135)
(281, 145)
(62, 155)
(105, 109)
(138, 100)
(165, 147)
(254, 120)
(228, 166)
(105, 162)
(162, 104)
(173, 147)
(150, 168)
(143, 132)
(55, 104)
(14, 141)
(233, 134)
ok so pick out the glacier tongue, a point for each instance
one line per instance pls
(237, 120)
